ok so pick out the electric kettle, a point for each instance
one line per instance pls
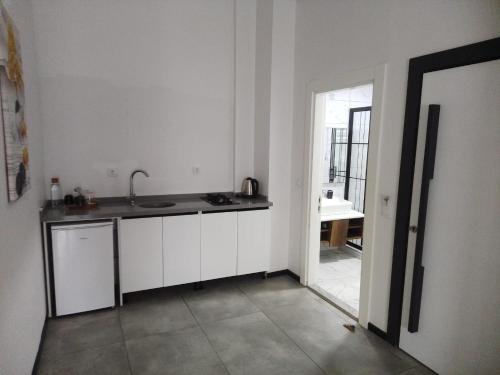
(249, 187)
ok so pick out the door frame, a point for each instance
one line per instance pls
(484, 51)
(312, 191)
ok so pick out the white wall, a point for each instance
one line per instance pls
(244, 122)
(130, 84)
(280, 136)
(263, 54)
(336, 37)
(22, 294)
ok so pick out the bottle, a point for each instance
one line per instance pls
(55, 192)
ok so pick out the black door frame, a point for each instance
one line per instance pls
(484, 51)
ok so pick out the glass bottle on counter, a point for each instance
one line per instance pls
(55, 192)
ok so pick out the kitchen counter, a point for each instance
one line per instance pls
(114, 207)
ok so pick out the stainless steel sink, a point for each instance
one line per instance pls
(157, 205)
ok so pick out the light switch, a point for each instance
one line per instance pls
(386, 206)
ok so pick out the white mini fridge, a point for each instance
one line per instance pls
(83, 267)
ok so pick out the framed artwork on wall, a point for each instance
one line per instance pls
(15, 132)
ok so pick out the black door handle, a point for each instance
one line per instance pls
(427, 176)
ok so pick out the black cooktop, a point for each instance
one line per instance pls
(218, 199)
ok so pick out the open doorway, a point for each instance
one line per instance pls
(346, 130)
(323, 173)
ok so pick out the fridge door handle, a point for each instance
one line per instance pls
(81, 226)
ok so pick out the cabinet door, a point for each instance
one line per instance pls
(218, 245)
(181, 249)
(254, 241)
(141, 258)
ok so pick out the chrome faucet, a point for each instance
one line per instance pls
(132, 193)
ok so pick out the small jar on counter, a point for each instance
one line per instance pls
(55, 192)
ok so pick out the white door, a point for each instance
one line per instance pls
(181, 249)
(83, 267)
(141, 254)
(219, 245)
(254, 241)
(459, 322)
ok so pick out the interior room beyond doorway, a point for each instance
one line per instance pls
(344, 170)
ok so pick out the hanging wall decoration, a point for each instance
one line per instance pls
(15, 132)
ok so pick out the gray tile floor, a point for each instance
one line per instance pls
(339, 277)
(237, 326)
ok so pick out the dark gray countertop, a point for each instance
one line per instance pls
(114, 207)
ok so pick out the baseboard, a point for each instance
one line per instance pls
(286, 272)
(40, 346)
(383, 335)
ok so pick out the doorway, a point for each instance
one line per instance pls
(345, 160)
(343, 137)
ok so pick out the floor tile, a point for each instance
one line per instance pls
(276, 291)
(109, 360)
(80, 332)
(154, 313)
(184, 352)
(321, 334)
(339, 278)
(297, 333)
(252, 344)
(217, 302)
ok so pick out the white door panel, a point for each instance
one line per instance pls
(254, 241)
(219, 245)
(181, 249)
(141, 254)
(459, 319)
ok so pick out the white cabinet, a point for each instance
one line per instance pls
(219, 245)
(141, 255)
(254, 241)
(181, 249)
(173, 250)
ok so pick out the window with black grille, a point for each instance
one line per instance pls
(349, 158)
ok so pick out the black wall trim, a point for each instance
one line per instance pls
(34, 371)
(50, 260)
(467, 55)
(373, 328)
(287, 272)
(46, 289)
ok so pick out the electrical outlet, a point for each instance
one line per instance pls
(111, 172)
